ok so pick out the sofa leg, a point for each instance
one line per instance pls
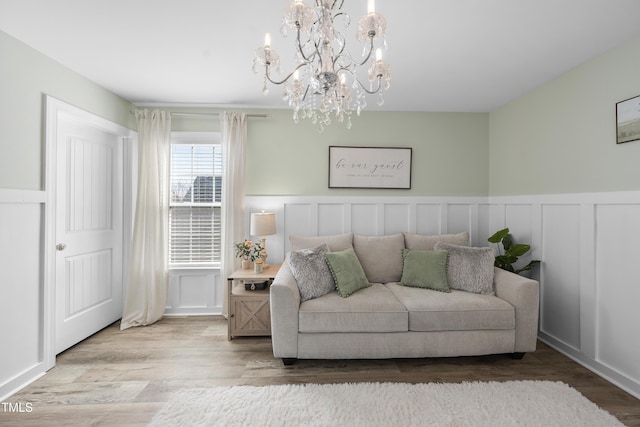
(516, 356)
(288, 361)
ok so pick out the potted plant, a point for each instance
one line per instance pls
(248, 252)
(512, 251)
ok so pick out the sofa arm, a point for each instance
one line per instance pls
(285, 302)
(524, 295)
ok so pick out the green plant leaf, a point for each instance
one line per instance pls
(517, 249)
(504, 266)
(498, 236)
(507, 242)
(505, 260)
(527, 267)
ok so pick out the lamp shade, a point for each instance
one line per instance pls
(263, 224)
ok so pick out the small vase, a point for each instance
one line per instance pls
(257, 266)
(246, 264)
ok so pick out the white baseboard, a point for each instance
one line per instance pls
(601, 370)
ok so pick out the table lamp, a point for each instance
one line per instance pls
(263, 224)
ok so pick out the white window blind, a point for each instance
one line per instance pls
(195, 207)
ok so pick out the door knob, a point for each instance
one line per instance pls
(61, 246)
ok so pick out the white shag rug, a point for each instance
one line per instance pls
(513, 403)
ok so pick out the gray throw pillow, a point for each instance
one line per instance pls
(470, 269)
(310, 270)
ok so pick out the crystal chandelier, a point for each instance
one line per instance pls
(325, 78)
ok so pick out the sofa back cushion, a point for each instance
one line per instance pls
(426, 243)
(380, 256)
(336, 243)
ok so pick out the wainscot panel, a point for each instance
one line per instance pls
(22, 359)
(617, 288)
(195, 292)
(589, 276)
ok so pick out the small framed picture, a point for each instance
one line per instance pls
(628, 120)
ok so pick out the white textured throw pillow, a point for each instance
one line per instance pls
(311, 271)
(469, 269)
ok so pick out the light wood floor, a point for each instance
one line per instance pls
(123, 378)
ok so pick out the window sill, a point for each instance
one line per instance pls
(177, 270)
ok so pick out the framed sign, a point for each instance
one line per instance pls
(628, 120)
(369, 167)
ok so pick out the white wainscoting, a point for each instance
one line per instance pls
(22, 325)
(590, 285)
(195, 292)
(369, 216)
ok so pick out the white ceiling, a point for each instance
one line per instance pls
(446, 55)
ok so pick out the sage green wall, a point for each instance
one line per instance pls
(449, 156)
(561, 137)
(25, 77)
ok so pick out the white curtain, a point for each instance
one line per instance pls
(146, 295)
(234, 143)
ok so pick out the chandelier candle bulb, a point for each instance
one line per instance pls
(378, 54)
(371, 6)
(267, 40)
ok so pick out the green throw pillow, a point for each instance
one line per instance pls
(347, 272)
(425, 269)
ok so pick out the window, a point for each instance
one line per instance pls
(196, 199)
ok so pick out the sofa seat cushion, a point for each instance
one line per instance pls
(373, 309)
(456, 311)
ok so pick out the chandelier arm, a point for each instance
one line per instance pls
(370, 92)
(343, 13)
(307, 60)
(339, 54)
(275, 82)
(368, 54)
(317, 52)
(319, 3)
(364, 61)
(306, 91)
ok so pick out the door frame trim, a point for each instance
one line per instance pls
(53, 108)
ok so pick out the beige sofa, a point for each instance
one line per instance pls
(389, 320)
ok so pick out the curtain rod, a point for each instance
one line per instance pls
(174, 113)
(177, 113)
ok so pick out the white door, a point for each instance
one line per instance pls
(88, 230)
